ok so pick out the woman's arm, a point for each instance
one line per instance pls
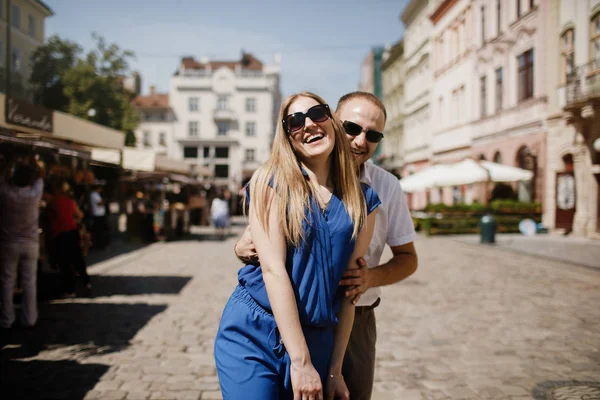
(346, 315)
(271, 248)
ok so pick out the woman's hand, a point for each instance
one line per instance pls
(306, 382)
(336, 387)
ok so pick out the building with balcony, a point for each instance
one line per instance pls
(573, 198)
(157, 121)
(27, 27)
(393, 97)
(225, 114)
(418, 90)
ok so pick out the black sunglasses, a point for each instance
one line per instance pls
(295, 121)
(353, 129)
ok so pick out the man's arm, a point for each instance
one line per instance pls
(402, 265)
(244, 248)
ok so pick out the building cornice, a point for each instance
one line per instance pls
(441, 10)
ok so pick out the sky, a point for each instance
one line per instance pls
(322, 43)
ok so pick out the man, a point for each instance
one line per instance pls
(363, 116)
(99, 226)
(19, 242)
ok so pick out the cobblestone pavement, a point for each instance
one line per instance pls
(473, 323)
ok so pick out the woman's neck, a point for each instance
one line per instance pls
(319, 171)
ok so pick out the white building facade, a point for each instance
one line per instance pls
(418, 91)
(156, 127)
(572, 201)
(393, 76)
(225, 115)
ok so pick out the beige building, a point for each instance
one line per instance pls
(157, 119)
(572, 200)
(393, 98)
(27, 21)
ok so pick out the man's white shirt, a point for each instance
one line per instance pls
(393, 223)
(97, 209)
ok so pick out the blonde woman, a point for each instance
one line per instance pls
(284, 331)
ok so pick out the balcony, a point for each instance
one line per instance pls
(224, 114)
(582, 88)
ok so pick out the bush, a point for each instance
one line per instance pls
(503, 191)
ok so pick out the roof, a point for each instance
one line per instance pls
(248, 61)
(152, 101)
(395, 53)
(45, 6)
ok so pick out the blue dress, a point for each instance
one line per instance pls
(251, 359)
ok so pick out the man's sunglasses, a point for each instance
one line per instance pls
(353, 129)
(294, 122)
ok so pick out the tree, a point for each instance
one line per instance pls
(82, 84)
(50, 62)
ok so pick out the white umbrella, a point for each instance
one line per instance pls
(423, 179)
(470, 171)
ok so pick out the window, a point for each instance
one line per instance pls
(16, 16)
(250, 153)
(568, 56)
(206, 152)
(162, 116)
(146, 141)
(193, 128)
(222, 103)
(222, 128)
(31, 26)
(251, 104)
(498, 157)
(482, 96)
(482, 25)
(16, 60)
(595, 41)
(498, 16)
(162, 139)
(190, 152)
(525, 63)
(221, 171)
(499, 89)
(251, 129)
(221, 152)
(193, 104)
(518, 9)
(531, 4)
(441, 111)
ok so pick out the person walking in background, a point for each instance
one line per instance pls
(219, 211)
(64, 218)
(20, 197)
(99, 224)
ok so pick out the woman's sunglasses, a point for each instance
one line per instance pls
(353, 129)
(294, 122)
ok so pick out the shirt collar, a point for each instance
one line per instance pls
(365, 175)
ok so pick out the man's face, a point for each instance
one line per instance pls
(367, 115)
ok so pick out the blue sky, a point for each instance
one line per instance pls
(322, 43)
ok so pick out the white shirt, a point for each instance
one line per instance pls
(219, 208)
(393, 223)
(97, 209)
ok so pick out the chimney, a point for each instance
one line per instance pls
(152, 90)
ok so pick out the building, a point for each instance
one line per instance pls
(418, 89)
(156, 127)
(224, 114)
(27, 27)
(511, 97)
(453, 46)
(393, 76)
(572, 201)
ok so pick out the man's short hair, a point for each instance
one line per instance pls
(23, 176)
(361, 95)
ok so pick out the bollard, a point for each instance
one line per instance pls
(487, 229)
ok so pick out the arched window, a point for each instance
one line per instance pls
(498, 157)
(595, 41)
(527, 160)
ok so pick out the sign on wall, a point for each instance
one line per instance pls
(29, 115)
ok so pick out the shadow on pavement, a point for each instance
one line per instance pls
(41, 379)
(70, 331)
(110, 285)
(115, 248)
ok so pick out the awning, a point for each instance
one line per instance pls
(163, 163)
(106, 156)
(138, 159)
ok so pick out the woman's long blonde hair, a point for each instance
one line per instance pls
(282, 171)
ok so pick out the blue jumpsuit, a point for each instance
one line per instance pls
(251, 360)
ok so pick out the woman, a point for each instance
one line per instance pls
(219, 211)
(64, 215)
(279, 336)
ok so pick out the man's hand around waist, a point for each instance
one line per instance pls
(357, 280)
(244, 248)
